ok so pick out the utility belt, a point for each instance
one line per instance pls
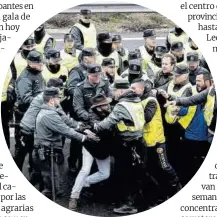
(44, 153)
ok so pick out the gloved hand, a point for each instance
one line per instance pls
(11, 95)
(63, 78)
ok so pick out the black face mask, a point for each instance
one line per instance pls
(54, 68)
(33, 70)
(39, 35)
(180, 59)
(131, 77)
(178, 30)
(105, 49)
(25, 53)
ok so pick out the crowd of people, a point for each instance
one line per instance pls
(145, 117)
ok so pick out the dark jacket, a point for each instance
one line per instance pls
(76, 75)
(28, 85)
(83, 94)
(162, 78)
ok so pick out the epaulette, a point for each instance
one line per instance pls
(80, 83)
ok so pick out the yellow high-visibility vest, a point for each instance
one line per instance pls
(153, 67)
(115, 56)
(89, 35)
(20, 63)
(146, 57)
(172, 37)
(209, 107)
(46, 74)
(153, 131)
(185, 120)
(40, 47)
(136, 111)
(68, 60)
(5, 85)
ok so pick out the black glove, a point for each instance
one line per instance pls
(11, 95)
(63, 78)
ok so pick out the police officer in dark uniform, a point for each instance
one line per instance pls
(105, 50)
(193, 66)
(108, 67)
(85, 90)
(43, 40)
(29, 84)
(92, 85)
(79, 73)
(177, 49)
(50, 128)
(20, 59)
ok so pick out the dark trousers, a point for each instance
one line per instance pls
(128, 171)
(75, 154)
(24, 144)
(43, 167)
(161, 170)
(5, 121)
(192, 154)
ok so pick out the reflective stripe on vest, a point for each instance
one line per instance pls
(153, 131)
(178, 38)
(209, 107)
(146, 57)
(47, 74)
(184, 120)
(40, 47)
(115, 56)
(68, 60)
(153, 67)
(5, 85)
(89, 35)
(136, 111)
(20, 63)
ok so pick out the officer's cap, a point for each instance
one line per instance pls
(88, 52)
(55, 82)
(85, 12)
(181, 69)
(121, 84)
(69, 37)
(104, 37)
(177, 46)
(134, 55)
(149, 33)
(192, 57)
(35, 57)
(53, 53)
(94, 68)
(108, 62)
(100, 99)
(134, 66)
(116, 38)
(52, 91)
(160, 49)
(29, 41)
